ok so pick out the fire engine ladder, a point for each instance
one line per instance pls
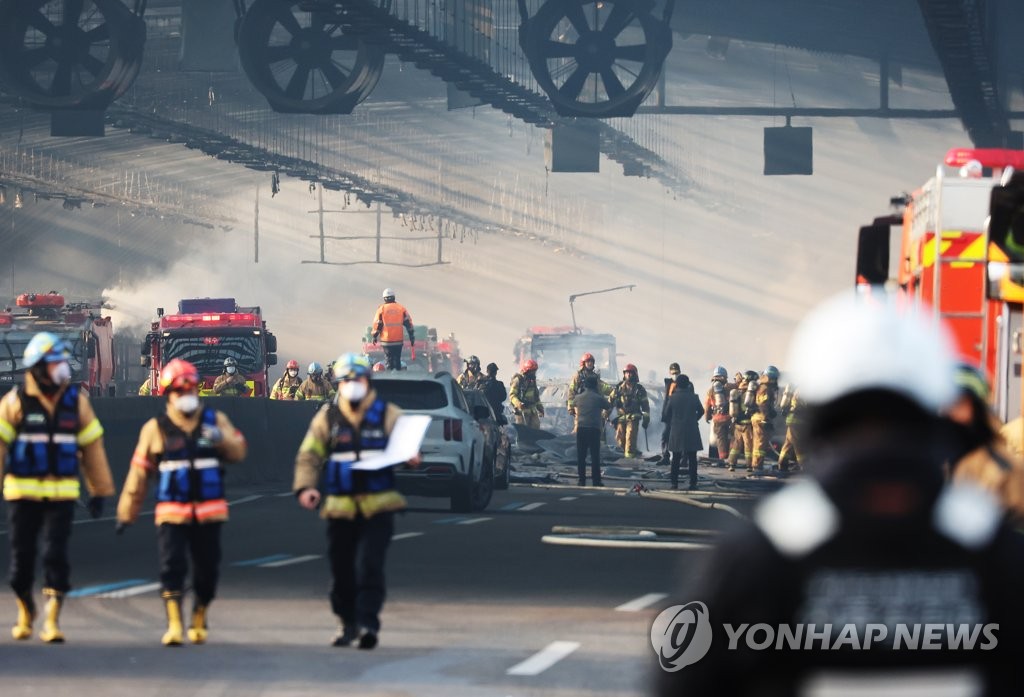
(474, 76)
(942, 261)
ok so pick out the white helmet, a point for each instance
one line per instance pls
(388, 293)
(851, 343)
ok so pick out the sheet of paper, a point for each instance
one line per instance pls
(404, 443)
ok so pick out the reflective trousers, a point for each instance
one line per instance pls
(627, 433)
(528, 416)
(723, 436)
(762, 432)
(791, 449)
(742, 441)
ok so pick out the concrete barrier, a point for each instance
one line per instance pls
(273, 429)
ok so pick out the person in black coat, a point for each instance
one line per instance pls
(494, 391)
(683, 411)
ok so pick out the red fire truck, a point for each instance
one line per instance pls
(946, 262)
(205, 331)
(88, 334)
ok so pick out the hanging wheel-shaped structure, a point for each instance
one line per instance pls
(69, 54)
(298, 56)
(596, 58)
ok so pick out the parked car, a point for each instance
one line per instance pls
(455, 458)
(499, 441)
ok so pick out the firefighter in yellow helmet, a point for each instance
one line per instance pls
(524, 395)
(764, 412)
(184, 449)
(48, 434)
(287, 386)
(742, 405)
(633, 411)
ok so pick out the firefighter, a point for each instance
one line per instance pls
(185, 450)
(633, 411)
(495, 392)
(287, 386)
(388, 325)
(792, 407)
(378, 367)
(358, 505)
(315, 387)
(742, 403)
(48, 433)
(764, 411)
(578, 383)
(230, 383)
(525, 395)
(469, 379)
(716, 410)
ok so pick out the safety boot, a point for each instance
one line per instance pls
(51, 633)
(172, 604)
(26, 615)
(197, 632)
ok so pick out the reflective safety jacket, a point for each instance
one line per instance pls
(339, 435)
(316, 390)
(630, 401)
(390, 322)
(523, 392)
(767, 396)
(578, 384)
(230, 386)
(287, 387)
(44, 441)
(468, 380)
(187, 467)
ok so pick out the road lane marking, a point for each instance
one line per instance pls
(405, 535)
(642, 602)
(473, 521)
(245, 499)
(261, 560)
(511, 506)
(544, 659)
(532, 506)
(290, 561)
(133, 590)
(104, 588)
(448, 521)
(568, 498)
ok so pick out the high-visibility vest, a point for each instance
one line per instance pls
(351, 444)
(191, 474)
(392, 318)
(44, 455)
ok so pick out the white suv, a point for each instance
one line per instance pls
(454, 458)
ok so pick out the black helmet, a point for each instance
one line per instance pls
(473, 361)
(750, 376)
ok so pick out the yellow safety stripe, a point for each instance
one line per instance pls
(311, 445)
(90, 434)
(7, 432)
(63, 489)
(339, 507)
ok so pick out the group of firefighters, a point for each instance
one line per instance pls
(50, 436)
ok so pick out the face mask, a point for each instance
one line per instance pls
(187, 403)
(292, 373)
(353, 390)
(60, 373)
(231, 370)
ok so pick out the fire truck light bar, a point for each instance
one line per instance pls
(225, 318)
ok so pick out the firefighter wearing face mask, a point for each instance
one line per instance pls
(48, 434)
(470, 378)
(716, 410)
(315, 387)
(633, 411)
(742, 405)
(761, 421)
(230, 383)
(524, 395)
(287, 386)
(358, 505)
(184, 450)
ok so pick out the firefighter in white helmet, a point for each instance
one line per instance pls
(390, 324)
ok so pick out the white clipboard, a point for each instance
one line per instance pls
(403, 443)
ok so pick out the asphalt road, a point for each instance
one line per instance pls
(478, 605)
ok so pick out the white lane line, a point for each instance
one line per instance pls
(128, 592)
(246, 499)
(473, 521)
(640, 603)
(544, 659)
(285, 493)
(405, 535)
(530, 506)
(292, 560)
(568, 498)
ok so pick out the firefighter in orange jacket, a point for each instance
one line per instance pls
(184, 449)
(48, 432)
(389, 326)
